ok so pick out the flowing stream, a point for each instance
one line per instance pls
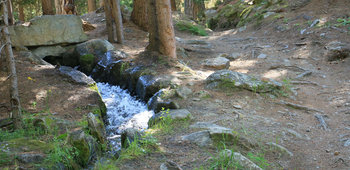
(123, 111)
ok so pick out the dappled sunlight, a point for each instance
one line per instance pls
(242, 64)
(274, 74)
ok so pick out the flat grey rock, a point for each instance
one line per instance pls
(218, 63)
(49, 51)
(282, 149)
(76, 75)
(183, 92)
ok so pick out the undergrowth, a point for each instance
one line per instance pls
(194, 29)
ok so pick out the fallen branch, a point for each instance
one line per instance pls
(300, 107)
(340, 159)
(248, 46)
(5, 122)
(306, 73)
(323, 125)
(284, 66)
(242, 39)
(347, 111)
(304, 82)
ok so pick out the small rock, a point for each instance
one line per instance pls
(196, 99)
(234, 56)
(218, 63)
(183, 92)
(128, 136)
(175, 114)
(237, 107)
(262, 56)
(280, 148)
(170, 165)
(336, 153)
(190, 84)
(328, 150)
(347, 143)
(294, 133)
(223, 55)
(30, 158)
(307, 17)
(308, 130)
(242, 28)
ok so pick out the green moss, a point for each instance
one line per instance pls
(30, 145)
(83, 150)
(87, 62)
(194, 29)
(94, 87)
(63, 136)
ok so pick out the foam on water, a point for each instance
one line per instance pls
(123, 111)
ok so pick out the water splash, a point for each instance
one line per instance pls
(123, 111)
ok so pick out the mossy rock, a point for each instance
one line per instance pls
(26, 145)
(97, 128)
(87, 63)
(77, 140)
(45, 123)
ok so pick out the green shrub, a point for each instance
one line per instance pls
(194, 29)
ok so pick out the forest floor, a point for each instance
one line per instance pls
(261, 118)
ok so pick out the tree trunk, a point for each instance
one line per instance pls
(101, 3)
(165, 29)
(198, 7)
(14, 98)
(118, 20)
(153, 44)
(47, 7)
(109, 22)
(139, 14)
(58, 7)
(91, 5)
(21, 13)
(11, 18)
(173, 5)
(188, 9)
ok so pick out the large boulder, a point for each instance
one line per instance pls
(97, 47)
(175, 114)
(42, 52)
(131, 75)
(78, 140)
(227, 79)
(97, 128)
(129, 136)
(162, 100)
(77, 76)
(49, 30)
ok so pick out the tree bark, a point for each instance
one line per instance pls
(101, 3)
(11, 18)
(47, 7)
(58, 7)
(109, 22)
(139, 14)
(198, 6)
(14, 98)
(21, 13)
(165, 29)
(173, 5)
(118, 20)
(153, 44)
(91, 5)
(188, 9)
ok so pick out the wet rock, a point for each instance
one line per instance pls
(49, 51)
(226, 79)
(77, 140)
(33, 58)
(30, 158)
(218, 63)
(49, 30)
(170, 165)
(115, 70)
(113, 56)
(87, 63)
(282, 149)
(148, 85)
(175, 114)
(131, 75)
(97, 128)
(162, 100)
(240, 159)
(128, 136)
(76, 75)
(183, 92)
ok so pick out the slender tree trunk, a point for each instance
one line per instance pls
(47, 7)
(14, 98)
(118, 20)
(11, 18)
(139, 14)
(173, 5)
(188, 9)
(101, 3)
(109, 22)
(153, 44)
(91, 5)
(58, 7)
(165, 29)
(197, 7)
(21, 13)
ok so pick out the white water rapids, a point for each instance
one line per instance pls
(123, 111)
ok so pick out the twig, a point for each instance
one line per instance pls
(2, 47)
(304, 82)
(306, 73)
(347, 111)
(323, 125)
(340, 159)
(300, 107)
(8, 76)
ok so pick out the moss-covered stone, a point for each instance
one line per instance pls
(26, 145)
(77, 140)
(97, 128)
(87, 63)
